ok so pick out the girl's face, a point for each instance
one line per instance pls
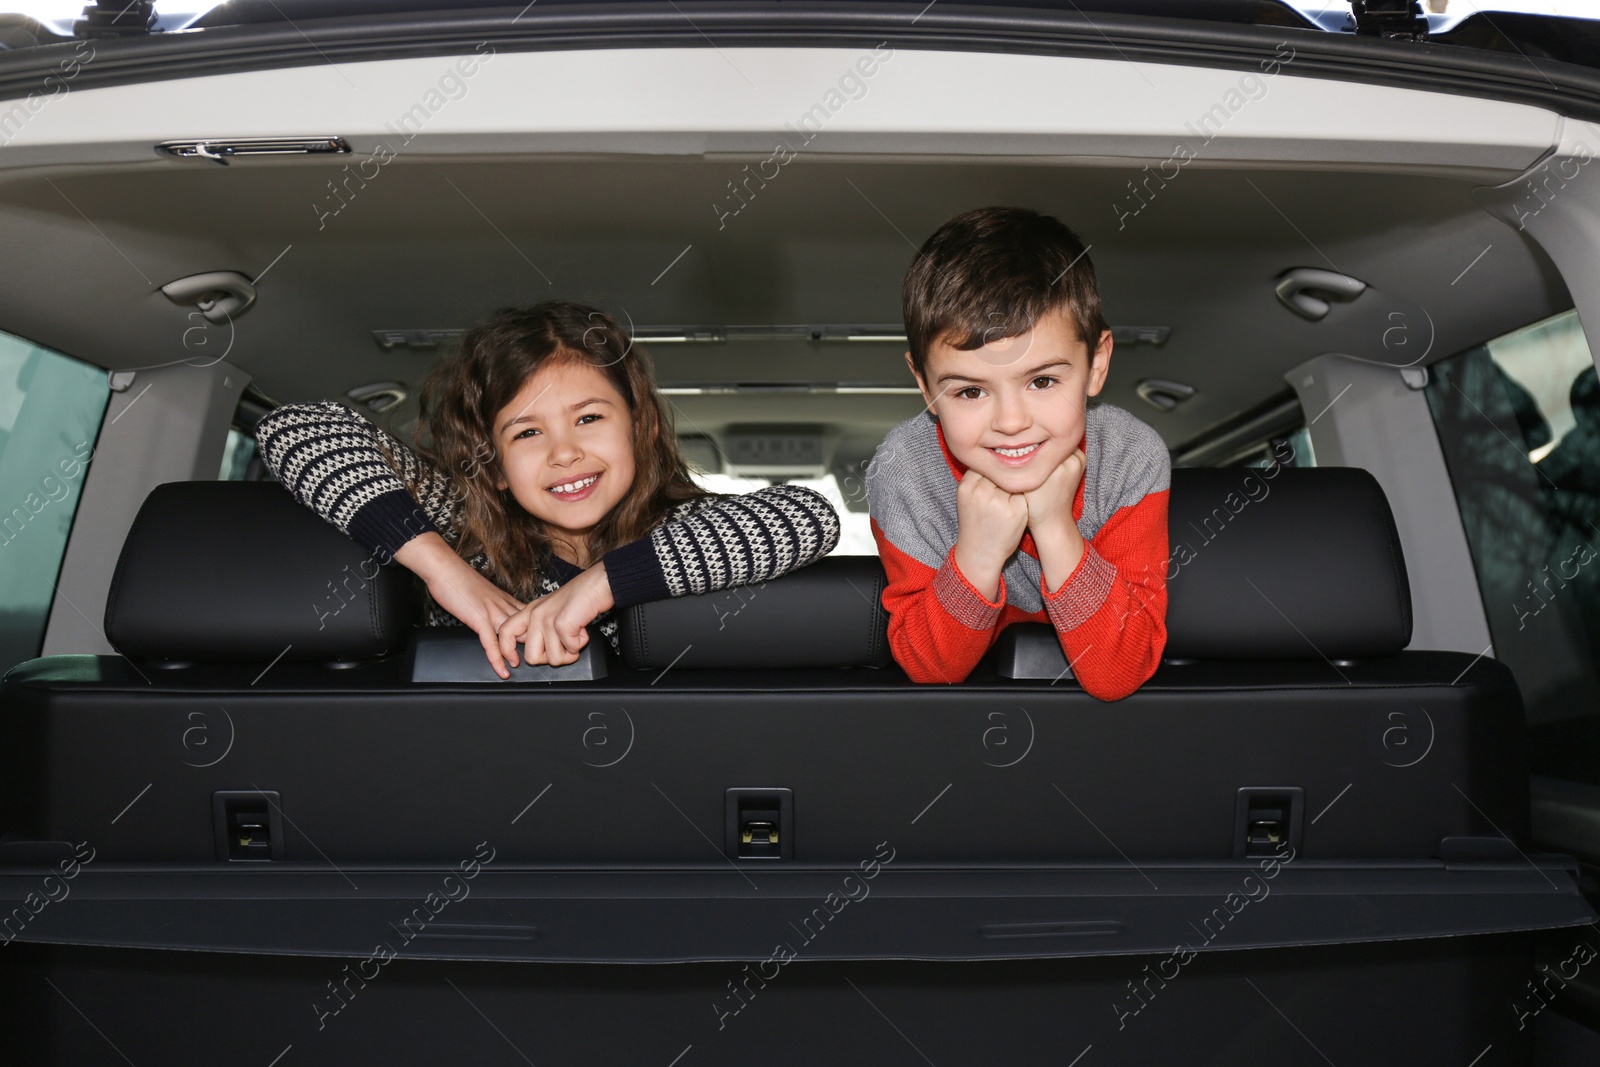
(566, 451)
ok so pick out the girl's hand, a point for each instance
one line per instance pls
(459, 589)
(552, 627)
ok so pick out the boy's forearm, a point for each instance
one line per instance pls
(979, 567)
(931, 646)
(1110, 615)
(1061, 548)
(1119, 647)
(939, 627)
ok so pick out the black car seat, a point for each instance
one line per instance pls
(260, 781)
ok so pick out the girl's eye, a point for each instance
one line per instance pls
(971, 392)
(1046, 379)
(524, 433)
(583, 420)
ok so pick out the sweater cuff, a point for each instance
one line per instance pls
(386, 523)
(1081, 595)
(964, 603)
(635, 575)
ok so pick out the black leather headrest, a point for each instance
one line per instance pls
(1286, 563)
(1304, 563)
(241, 571)
(829, 614)
(1301, 564)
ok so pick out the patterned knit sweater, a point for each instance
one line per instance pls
(355, 475)
(1110, 613)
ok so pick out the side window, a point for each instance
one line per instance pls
(236, 456)
(1272, 433)
(50, 412)
(1519, 422)
(1291, 449)
(240, 460)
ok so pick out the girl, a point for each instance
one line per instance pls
(552, 494)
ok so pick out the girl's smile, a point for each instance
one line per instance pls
(576, 489)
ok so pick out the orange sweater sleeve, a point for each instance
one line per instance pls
(939, 625)
(1110, 614)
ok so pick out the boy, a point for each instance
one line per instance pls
(1007, 500)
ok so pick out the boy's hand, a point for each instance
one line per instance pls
(1050, 505)
(1055, 533)
(552, 627)
(990, 525)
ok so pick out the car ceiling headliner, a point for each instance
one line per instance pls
(435, 242)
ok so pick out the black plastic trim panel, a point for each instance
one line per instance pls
(716, 913)
(1563, 87)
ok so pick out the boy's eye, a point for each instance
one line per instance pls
(971, 392)
(1044, 381)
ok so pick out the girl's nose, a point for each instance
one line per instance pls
(564, 450)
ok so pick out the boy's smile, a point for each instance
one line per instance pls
(1013, 410)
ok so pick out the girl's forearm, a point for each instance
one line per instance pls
(427, 555)
(600, 587)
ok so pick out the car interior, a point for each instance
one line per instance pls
(251, 807)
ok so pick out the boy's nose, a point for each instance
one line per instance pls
(1010, 415)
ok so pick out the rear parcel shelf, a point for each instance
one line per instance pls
(1390, 837)
(685, 914)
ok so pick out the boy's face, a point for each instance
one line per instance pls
(1013, 410)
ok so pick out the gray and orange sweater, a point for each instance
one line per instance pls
(1110, 613)
(356, 476)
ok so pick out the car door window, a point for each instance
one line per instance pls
(1291, 449)
(237, 453)
(1519, 422)
(241, 460)
(50, 412)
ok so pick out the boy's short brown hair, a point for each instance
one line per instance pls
(991, 273)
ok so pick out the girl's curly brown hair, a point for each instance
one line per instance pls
(495, 359)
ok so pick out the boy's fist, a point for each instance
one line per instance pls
(991, 522)
(1050, 505)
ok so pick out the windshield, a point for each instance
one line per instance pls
(54, 20)
(57, 16)
(1445, 15)
(1565, 30)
